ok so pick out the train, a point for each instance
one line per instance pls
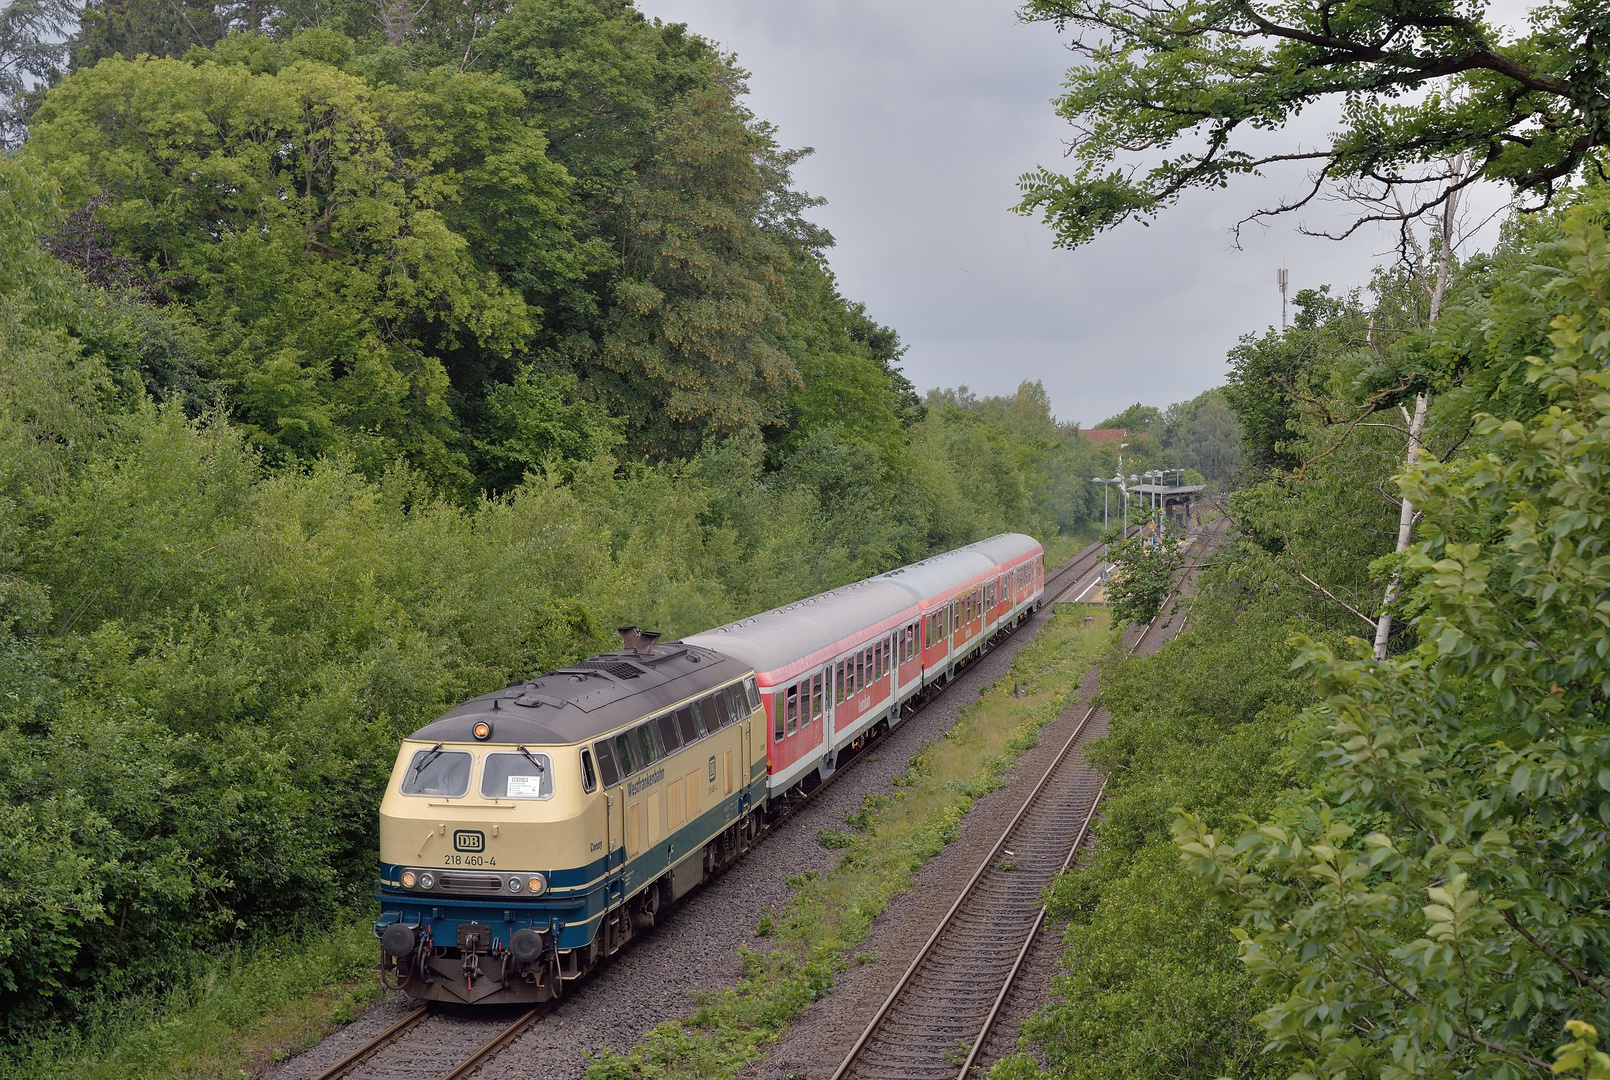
(530, 833)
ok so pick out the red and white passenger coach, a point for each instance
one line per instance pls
(834, 667)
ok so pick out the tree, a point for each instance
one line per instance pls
(1433, 903)
(337, 240)
(1416, 86)
(1143, 577)
(691, 196)
(33, 44)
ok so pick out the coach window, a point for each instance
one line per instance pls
(779, 713)
(589, 779)
(816, 697)
(517, 776)
(793, 709)
(439, 772)
(838, 683)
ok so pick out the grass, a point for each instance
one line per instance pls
(243, 1012)
(1065, 546)
(885, 842)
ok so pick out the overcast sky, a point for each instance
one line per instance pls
(923, 115)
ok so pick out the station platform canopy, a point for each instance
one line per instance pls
(1167, 489)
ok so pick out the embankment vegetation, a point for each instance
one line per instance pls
(1317, 862)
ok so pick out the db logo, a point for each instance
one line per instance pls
(469, 840)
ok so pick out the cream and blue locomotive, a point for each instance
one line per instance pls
(531, 832)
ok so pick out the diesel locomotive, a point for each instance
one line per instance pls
(530, 833)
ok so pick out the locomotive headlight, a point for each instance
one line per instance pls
(514, 884)
(537, 884)
(427, 880)
(408, 879)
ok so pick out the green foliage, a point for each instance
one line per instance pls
(1581, 1056)
(233, 1012)
(539, 421)
(1415, 86)
(1143, 575)
(1432, 901)
(313, 217)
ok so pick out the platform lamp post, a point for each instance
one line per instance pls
(1105, 483)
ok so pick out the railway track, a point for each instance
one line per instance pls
(358, 1063)
(371, 1059)
(935, 1023)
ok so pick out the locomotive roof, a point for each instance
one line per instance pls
(786, 640)
(588, 698)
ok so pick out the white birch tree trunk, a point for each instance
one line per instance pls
(1422, 403)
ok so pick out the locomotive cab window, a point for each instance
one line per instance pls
(444, 773)
(589, 779)
(606, 762)
(517, 776)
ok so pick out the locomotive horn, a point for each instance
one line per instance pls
(628, 636)
(645, 642)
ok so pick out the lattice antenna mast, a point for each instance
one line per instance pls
(1281, 280)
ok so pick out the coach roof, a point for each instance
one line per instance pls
(940, 576)
(783, 641)
(776, 640)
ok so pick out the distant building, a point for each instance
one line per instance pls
(1104, 434)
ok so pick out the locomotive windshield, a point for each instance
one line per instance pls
(516, 776)
(437, 772)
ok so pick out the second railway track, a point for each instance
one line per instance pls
(936, 1022)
